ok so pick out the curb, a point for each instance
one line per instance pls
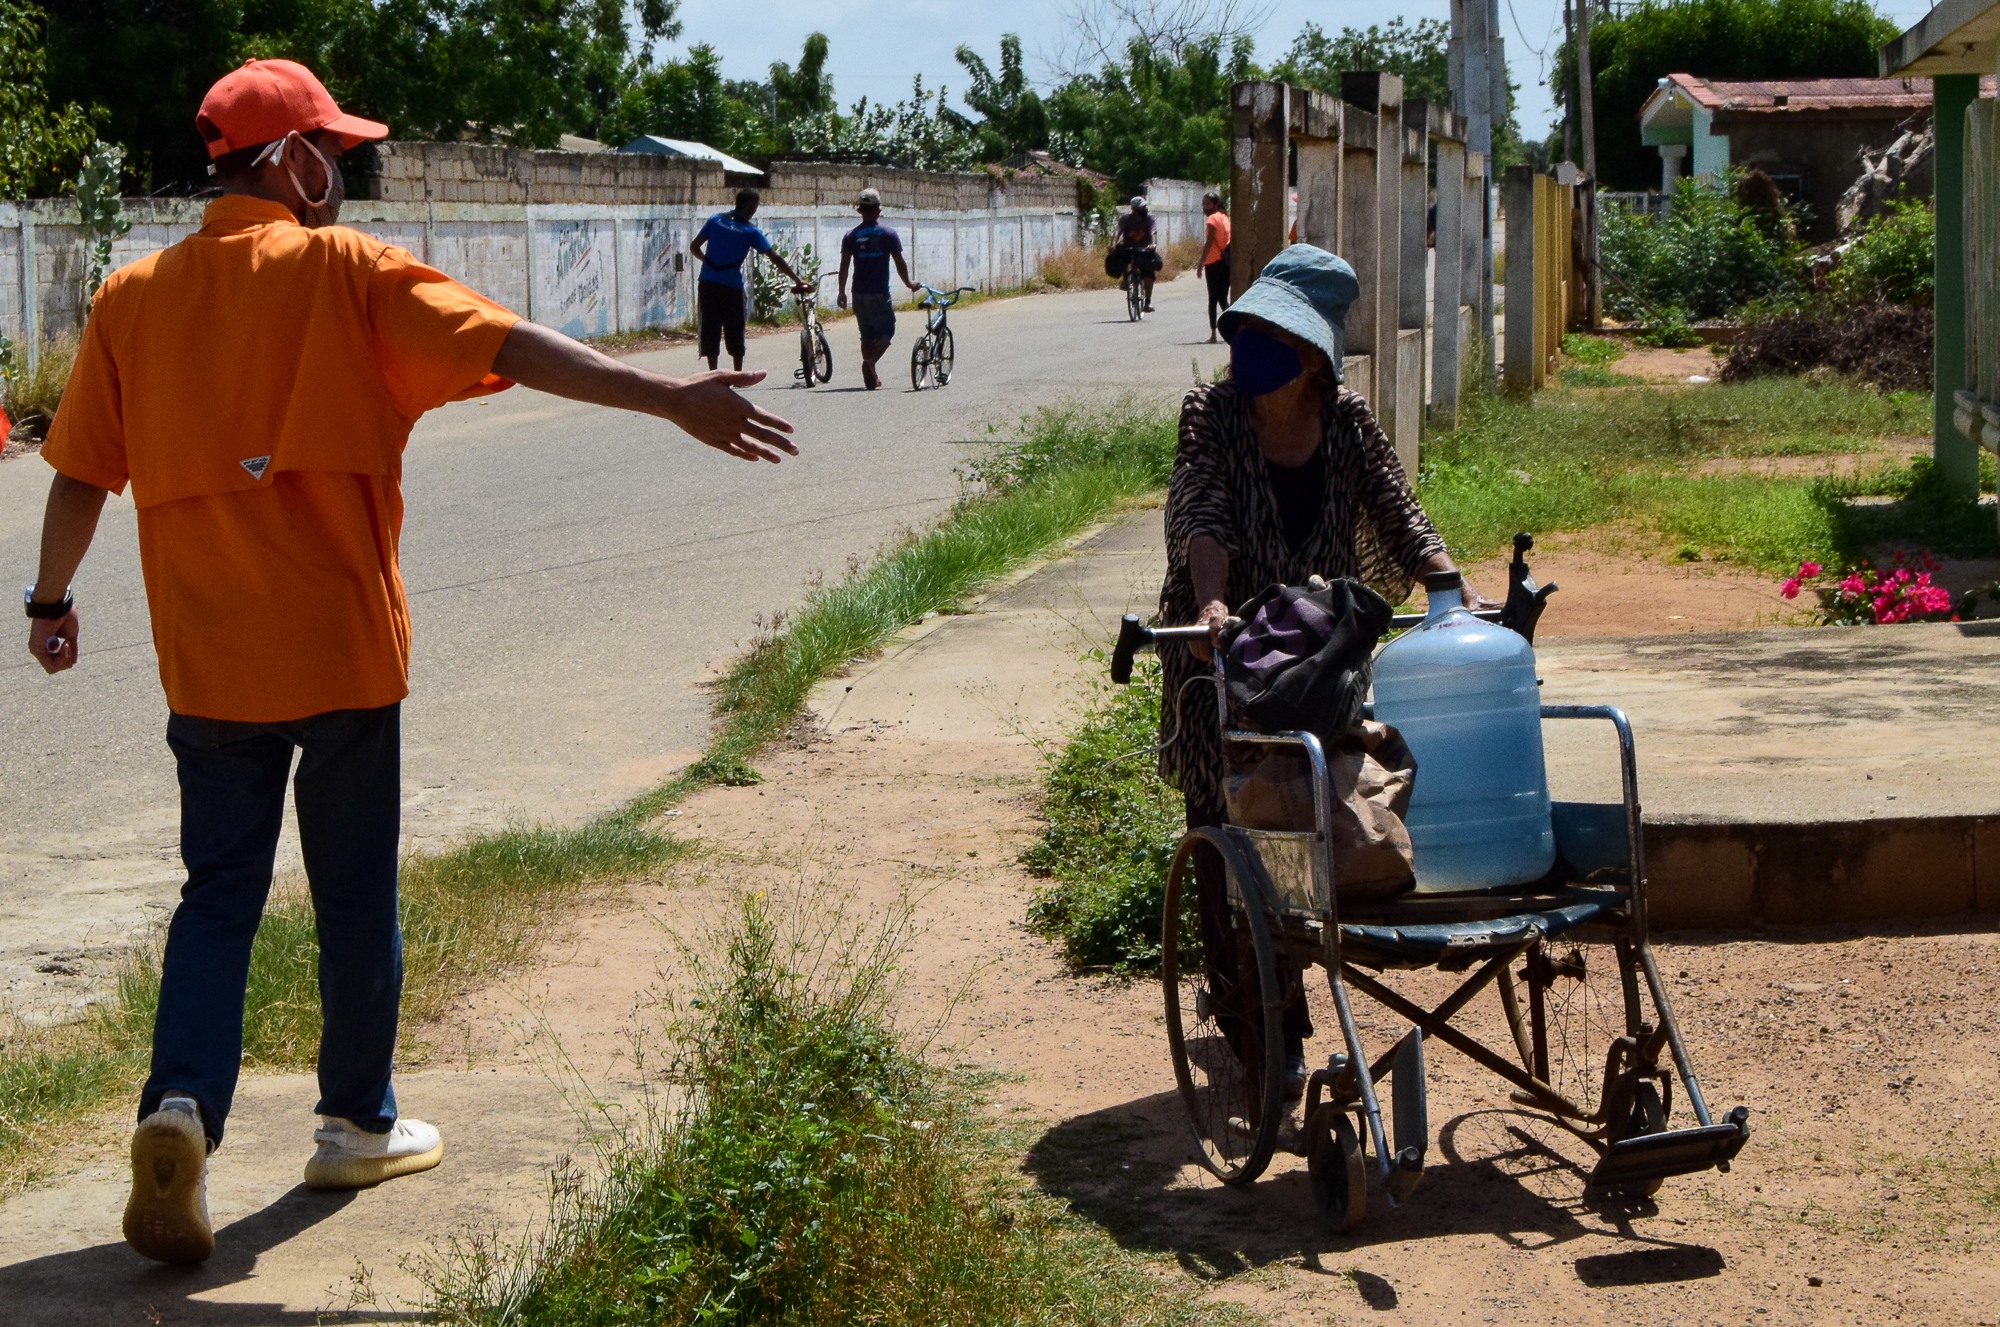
(1713, 874)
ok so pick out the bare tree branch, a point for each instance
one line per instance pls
(1099, 32)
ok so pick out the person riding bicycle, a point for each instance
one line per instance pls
(1136, 234)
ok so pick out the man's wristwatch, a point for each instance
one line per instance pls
(54, 610)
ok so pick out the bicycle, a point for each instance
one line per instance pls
(931, 356)
(815, 356)
(1138, 270)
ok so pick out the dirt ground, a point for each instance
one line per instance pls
(1868, 1062)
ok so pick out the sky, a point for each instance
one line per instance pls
(878, 45)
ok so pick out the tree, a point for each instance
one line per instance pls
(1746, 39)
(688, 99)
(1417, 53)
(1155, 116)
(1101, 32)
(807, 90)
(919, 133)
(1014, 118)
(37, 142)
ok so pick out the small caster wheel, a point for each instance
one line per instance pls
(1339, 1170)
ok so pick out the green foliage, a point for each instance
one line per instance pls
(770, 289)
(1154, 116)
(1592, 350)
(102, 206)
(1893, 260)
(1668, 328)
(688, 99)
(1109, 827)
(815, 1172)
(807, 90)
(1013, 118)
(1593, 375)
(38, 141)
(1726, 39)
(920, 133)
(1706, 258)
(27, 393)
(1416, 52)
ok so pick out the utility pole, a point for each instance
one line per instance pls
(1478, 68)
(1569, 102)
(1587, 97)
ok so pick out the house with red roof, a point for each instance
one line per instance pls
(1805, 133)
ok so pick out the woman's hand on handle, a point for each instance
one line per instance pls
(1213, 615)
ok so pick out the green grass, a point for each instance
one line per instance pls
(468, 915)
(1570, 461)
(816, 1170)
(1110, 824)
(1596, 351)
(1592, 376)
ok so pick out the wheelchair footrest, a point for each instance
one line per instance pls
(1676, 1152)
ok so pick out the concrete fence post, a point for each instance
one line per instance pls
(1259, 160)
(31, 282)
(1478, 292)
(1517, 200)
(1381, 95)
(1448, 284)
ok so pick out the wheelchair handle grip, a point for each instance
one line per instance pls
(1132, 636)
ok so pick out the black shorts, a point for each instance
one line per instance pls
(719, 310)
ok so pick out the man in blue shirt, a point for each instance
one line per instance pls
(724, 242)
(868, 249)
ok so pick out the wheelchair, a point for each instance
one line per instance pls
(1591, 1041)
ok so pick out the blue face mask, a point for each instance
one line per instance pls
(1260, 363)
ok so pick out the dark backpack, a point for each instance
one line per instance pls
(1302, 661)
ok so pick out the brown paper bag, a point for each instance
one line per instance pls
(1373, 775)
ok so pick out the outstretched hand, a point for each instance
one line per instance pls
(712, 412)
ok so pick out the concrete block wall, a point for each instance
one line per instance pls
(592, 243)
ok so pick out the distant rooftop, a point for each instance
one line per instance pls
(1780, 95)
(682, 147)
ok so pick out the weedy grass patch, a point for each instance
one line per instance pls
(813, 1169)
(1109, 827)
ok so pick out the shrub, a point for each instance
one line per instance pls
(1706, 257)
(1892, 261)
(1885, 345)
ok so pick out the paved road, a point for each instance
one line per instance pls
(574, 576)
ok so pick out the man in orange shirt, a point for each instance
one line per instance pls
(256, 384)
(1215, 258)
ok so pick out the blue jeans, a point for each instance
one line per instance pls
(348, 792)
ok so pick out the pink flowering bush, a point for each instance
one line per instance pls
(1901, 592)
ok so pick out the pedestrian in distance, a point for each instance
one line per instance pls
(1215, 259)
(721, 245)
(255, 384)
(868, 249)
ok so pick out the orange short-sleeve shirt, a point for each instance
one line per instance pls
(1217, 228)
(256, 384)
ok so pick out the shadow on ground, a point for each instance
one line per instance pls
(128, 1288)
(1500, 1173)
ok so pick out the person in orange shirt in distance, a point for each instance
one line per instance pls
(1215, 258)
(255, 384)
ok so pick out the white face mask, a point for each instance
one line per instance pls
(326, 210)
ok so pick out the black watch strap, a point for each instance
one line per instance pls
(55, 610)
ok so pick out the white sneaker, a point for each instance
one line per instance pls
(166, 1218)
(350, 1158)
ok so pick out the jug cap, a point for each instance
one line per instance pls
(1443, 580)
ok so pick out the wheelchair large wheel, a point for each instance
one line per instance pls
(1226, 1039)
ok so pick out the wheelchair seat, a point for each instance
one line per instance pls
(1455, 946)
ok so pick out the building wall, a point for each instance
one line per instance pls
(1822, 148)
(593, 243)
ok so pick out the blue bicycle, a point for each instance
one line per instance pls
(931, 356)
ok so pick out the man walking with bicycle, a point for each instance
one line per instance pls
(723, 243)
(868, 249)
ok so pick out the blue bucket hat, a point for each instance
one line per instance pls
(1306, 291)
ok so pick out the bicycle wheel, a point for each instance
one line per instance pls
(820, 361)
(1135, 304)
(1219, 1034)
(920, 362)
(941, 356)
(805, 369)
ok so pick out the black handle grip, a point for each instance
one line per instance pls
(1131, 635)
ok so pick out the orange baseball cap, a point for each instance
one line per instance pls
(267, 99)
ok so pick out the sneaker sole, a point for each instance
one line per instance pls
(163, 1219)
(324, 1172)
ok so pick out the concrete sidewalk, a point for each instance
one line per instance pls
(1787, 775)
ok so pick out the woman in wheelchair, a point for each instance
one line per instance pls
(1281, 473)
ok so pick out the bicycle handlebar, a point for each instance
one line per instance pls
(932, 295)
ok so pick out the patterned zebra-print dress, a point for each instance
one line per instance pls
(1370, 528)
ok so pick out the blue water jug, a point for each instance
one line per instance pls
(1462, 692)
